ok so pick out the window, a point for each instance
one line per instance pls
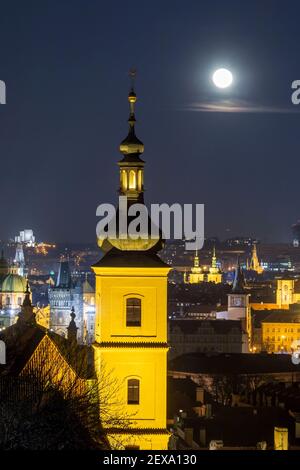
(124, 180)
(133, 311)
(133, 392)
(132, 179)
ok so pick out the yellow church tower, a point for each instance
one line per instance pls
(214, 274)
(196, 275)
(131, 318)
(254, 263)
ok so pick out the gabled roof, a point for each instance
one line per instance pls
(238, 363)
(22, 339)
(283, 316)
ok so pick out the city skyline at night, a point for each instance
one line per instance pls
(65, 109)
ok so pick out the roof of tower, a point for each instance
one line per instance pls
(239, 281)
(131, 144)
(87, 288)
(64, 279)
(14, 283)
(27, 314)
(133, 259)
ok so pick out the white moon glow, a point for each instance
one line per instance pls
(222, 78)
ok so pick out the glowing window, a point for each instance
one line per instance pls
(132, 180)
(133, 392)
(133, 311)
(124, 179)
(140, 183)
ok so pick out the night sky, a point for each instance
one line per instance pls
(65, 64)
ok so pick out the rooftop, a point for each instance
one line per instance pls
(236, 364)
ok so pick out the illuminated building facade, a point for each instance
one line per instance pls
(280, 330)
(65, 295)
(26, 237)
(286, 293)
(131, 316)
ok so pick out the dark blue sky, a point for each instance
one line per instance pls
(65, 64)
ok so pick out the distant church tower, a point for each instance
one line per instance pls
(19, 261)
(285, 292)
(238, 299)
(254, 263)
(131, 316)
(196, 275)
(214, 274)
(62, 298)
(239, 306)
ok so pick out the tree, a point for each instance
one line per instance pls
(57, 401)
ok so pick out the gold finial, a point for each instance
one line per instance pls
(132, 75)
(132, 95)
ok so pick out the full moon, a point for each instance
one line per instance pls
(222, 78)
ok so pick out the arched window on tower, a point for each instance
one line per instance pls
(132, 179)
(140, 180)
(133, 311)
(133, 392)
(124, 180)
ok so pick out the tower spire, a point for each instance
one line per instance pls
(214, 268)
(254, 263)
(131, 145)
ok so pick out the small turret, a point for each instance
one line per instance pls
(72, 328)
(27, 315)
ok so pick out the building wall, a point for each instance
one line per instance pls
(278, 337)
(61, 302)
